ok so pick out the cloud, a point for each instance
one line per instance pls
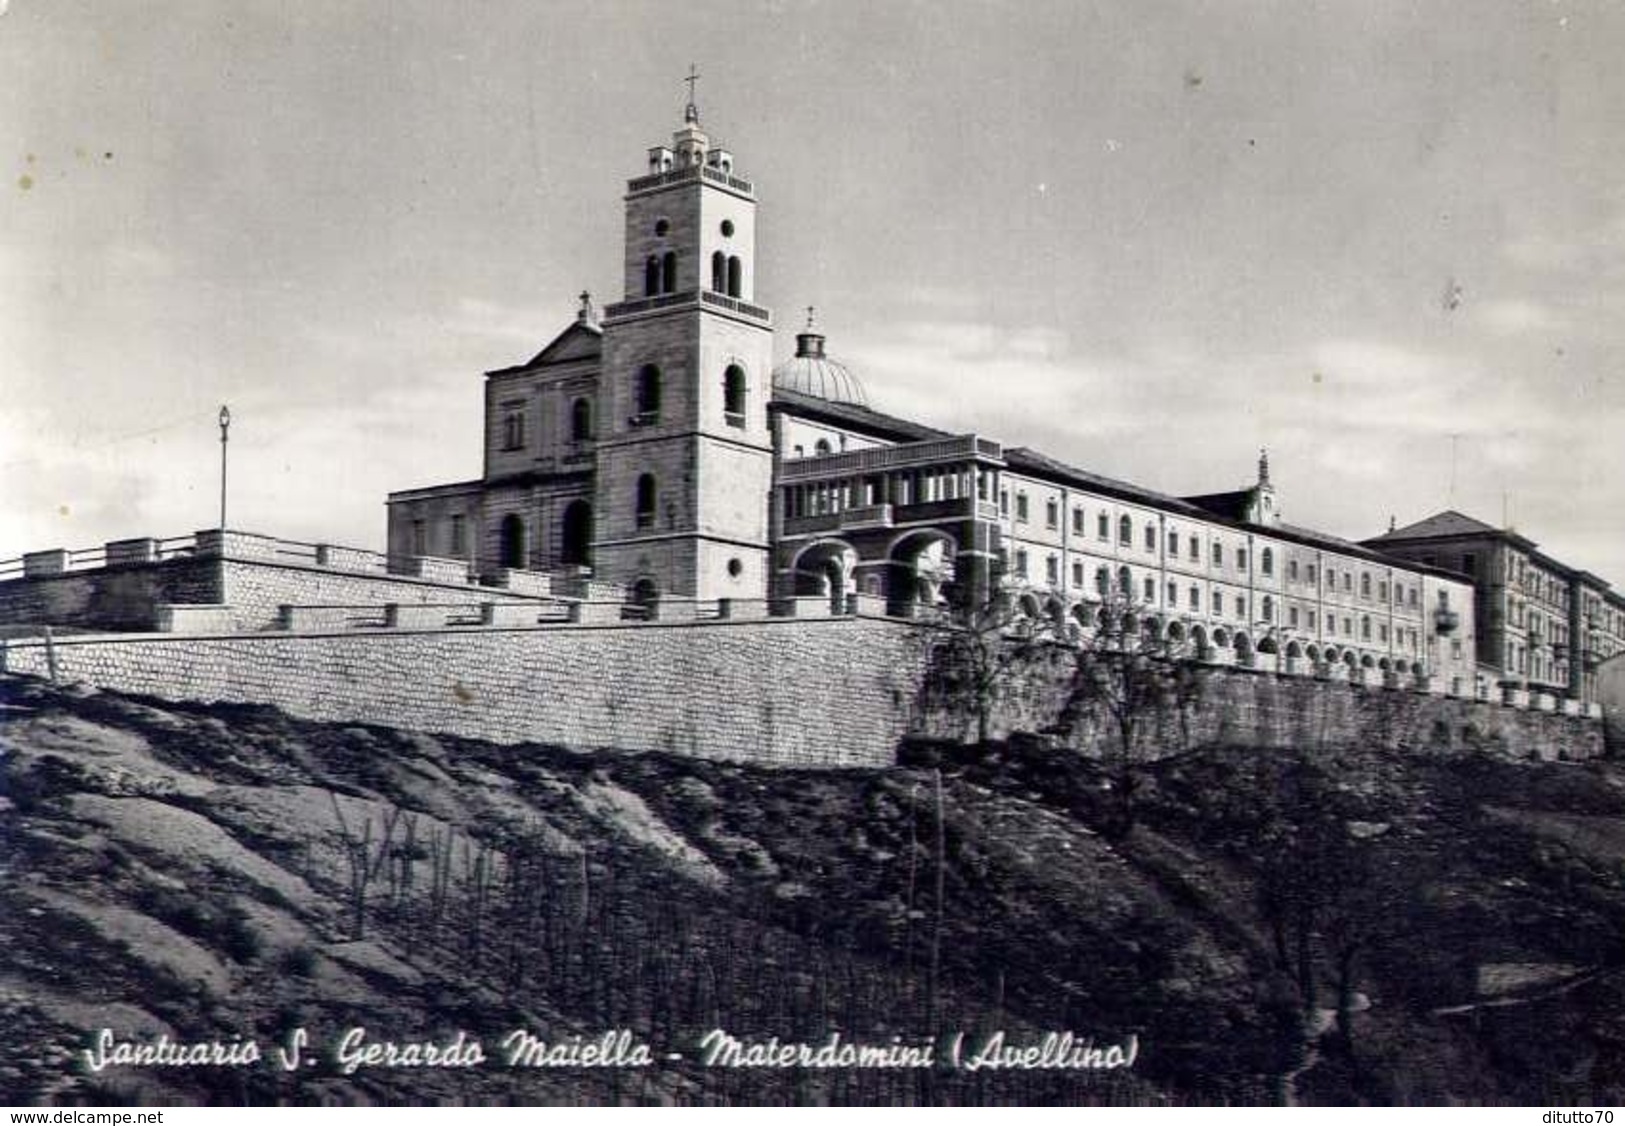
(1515, 317)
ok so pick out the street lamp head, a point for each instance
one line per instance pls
(225, 417)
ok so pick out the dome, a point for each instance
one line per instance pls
(810, 372)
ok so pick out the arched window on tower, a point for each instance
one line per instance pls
(733, 395)
(647, 396)
(668, 272)
(736, 276)
(651, 276)
(646, 501)
(581, 421)
(719, 272)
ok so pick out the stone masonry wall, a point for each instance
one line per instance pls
(119, 597)
(129, 597)
(254, 591)
(782, 692)
(1226, 705)
(792, 692)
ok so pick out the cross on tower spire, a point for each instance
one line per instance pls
(691, 112)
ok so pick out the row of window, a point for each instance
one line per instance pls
(1216, 603)
(513, 424)
(575, 537)
(456, 537)
(1266, 559)
(646, 400)
(660, 274)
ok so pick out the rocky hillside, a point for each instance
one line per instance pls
(1261, 926)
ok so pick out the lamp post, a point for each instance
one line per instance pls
(225, 428)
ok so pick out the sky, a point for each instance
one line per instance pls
(1384, 240)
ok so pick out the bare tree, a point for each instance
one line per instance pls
(1133, 678)
(973, 652)
(1326, 887)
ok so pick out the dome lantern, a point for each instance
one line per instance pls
(811, 372)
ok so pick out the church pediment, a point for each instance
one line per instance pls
(578, 342)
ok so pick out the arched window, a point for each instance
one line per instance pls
(1365, 627)
(1267, 610)
(1102, 581)
(733, 395)
(1125, 531)
(648, 396)
(736, 276)
(821, 447)
(651, 276)
(581, 421)
(575, 540)
(719, 272)
(1266, 561)
(646, 500)
(1125, 581)
(668, 272)
(1365, 584)
(511, 542)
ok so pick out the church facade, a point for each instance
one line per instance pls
(655, 449)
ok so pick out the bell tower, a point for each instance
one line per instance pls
(684, 452)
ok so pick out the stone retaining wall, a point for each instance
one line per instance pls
(829, 691)
(779, 692)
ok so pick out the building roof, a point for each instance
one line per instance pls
(1026, 460)
(1032, 463)
(1452, 525)
(1440, 525)
(855, 415)
(1233, 505)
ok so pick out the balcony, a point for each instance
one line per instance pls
(941, 453)
(658, 180)
(872, 516)
(734, 305)
(688, 298)
(1446, 622)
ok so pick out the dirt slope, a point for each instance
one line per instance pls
(234, 875)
